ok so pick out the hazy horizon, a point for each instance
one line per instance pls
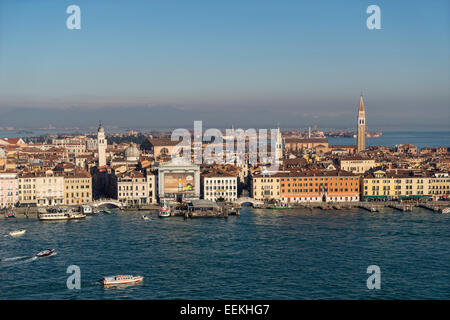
(250, 64)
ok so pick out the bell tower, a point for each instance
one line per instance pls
(101, 144)
(361, 126)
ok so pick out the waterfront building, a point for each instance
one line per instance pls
(130, 188)
(361, 134)
(439, 186)
(27, 188)
(405, 184)
(9, 189)
(219, 184)
(151, 186)
(265, 187)
(101, 145)
(178, 181)
(319, 185)
(357, 164)
(77, 188)
(49, 188)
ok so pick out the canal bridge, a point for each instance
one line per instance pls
(253, 202)
(113, 202)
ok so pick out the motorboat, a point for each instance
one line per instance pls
(87, 210)
(46, 253)
(107, 211)
(164, 211)
(77, 216)
(121, 279)
(58, 213)
(10, 213)
(17, 233)
(446, 210)
(144, 217)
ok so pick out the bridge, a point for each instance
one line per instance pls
(254, 202)
(112, 202)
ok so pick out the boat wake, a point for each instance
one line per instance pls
(13, 258)
(18, 260)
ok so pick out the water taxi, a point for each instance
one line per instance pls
(46, 253)
(87, 210)
(60, 213)
(17, 233)
(10, 213)
(164, 211)
(121, 279)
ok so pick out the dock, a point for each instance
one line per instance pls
(430, 206)
(369, 207)
(401, 206)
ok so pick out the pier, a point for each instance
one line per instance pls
(401, 206)
(369, 207)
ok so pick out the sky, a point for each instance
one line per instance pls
(298, 62)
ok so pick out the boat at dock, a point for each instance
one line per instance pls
(121, 279)
(17, 233)
(446, 210)
(164, 211)
(87, 210)
(60, 213)
(10, 212)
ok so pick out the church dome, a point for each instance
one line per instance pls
(132, 153)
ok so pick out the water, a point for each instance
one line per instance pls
(263, 254)
(390, 138)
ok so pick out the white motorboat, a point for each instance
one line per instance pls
(86, 210)
(144, 217)
(17, 233)
(446, 210)
(164, 211)
(121, 279)
(46, 253)
(76, 216)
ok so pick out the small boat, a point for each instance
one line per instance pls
(10, 213)
(121, 279)
(87, 210)
(77, 216)
(46, 253)
(107, 211)
(144, 217)
(17, 233)
(446, 210)
(164, 211)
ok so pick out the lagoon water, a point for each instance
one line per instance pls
(262, 254)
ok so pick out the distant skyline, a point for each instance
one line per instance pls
(248, 63)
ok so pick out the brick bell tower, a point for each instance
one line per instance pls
(361, 126)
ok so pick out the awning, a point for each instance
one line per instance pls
(375, 197)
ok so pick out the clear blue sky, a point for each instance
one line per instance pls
(304, 58)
